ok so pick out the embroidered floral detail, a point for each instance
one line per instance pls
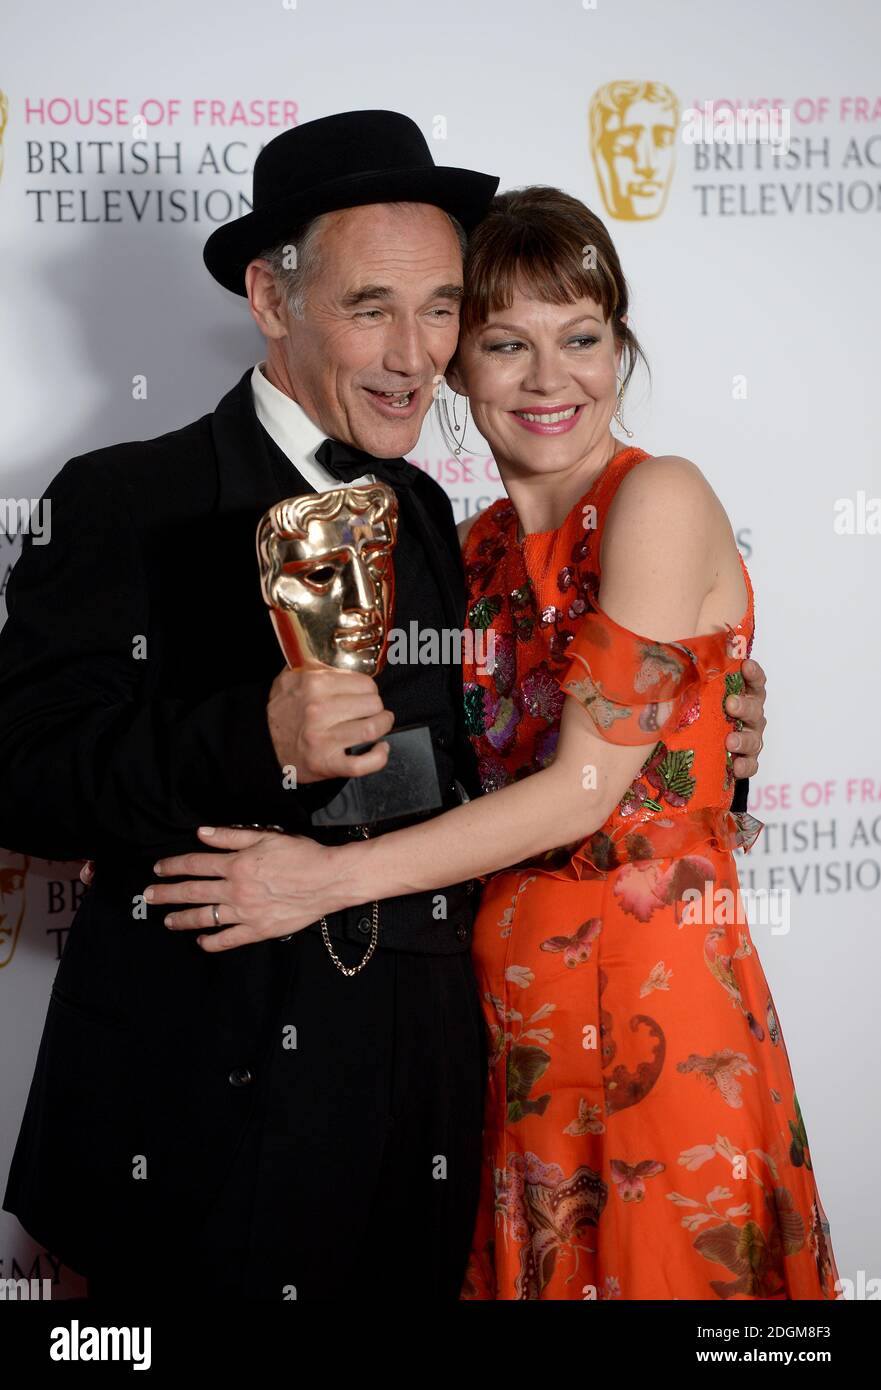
(545, 748)
(636, 796)
(505, 669)
(542, 695)
(502, 721)
(669, 772)
(475, 712)
(482, 613)
(492, 773)
(485, 561)
(690, 713)
(523, 596)
(559, 642)
(590, 586)
(523, 610)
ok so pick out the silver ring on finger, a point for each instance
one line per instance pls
(215, 913)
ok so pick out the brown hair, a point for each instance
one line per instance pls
(538, 238)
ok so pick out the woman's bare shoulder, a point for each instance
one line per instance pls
(663, 472)
(665, 489)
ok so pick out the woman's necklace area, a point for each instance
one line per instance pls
(618, 448)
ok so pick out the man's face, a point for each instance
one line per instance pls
(334, 591)
(13, 876)
(380, 324)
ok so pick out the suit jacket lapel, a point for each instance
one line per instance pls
(252, 471)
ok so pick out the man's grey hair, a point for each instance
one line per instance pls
(294, 261)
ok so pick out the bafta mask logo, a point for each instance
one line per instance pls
(4, 117)
(633, 128)
(327, 573)
(13, 881)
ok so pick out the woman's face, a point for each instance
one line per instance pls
(541, 382)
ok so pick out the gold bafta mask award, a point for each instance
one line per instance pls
(327, 575)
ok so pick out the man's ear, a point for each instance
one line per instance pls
(265, 300)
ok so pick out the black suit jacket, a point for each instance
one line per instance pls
(135, 668)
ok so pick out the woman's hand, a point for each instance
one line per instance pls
(264, 885)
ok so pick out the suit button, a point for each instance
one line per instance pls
(240, 1076)
(287, 938)
(365, 925)
(462, 933)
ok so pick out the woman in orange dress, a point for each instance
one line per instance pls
(642, 1137)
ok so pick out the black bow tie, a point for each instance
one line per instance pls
(345, 462)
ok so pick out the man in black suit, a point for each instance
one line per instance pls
(256, 1122)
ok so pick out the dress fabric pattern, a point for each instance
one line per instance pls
(642, 1137)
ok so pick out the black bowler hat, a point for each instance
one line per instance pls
(341, 161)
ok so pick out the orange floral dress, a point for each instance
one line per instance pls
(642, 1135)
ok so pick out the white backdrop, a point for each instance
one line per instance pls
(755, 292)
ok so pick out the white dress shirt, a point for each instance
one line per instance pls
(285, 420)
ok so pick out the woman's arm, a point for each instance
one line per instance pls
(661, 537)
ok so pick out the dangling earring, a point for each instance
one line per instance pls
(617, 416)
(449, 427)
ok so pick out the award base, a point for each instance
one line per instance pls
(406, 786)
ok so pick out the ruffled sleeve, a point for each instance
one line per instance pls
(633, 687)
